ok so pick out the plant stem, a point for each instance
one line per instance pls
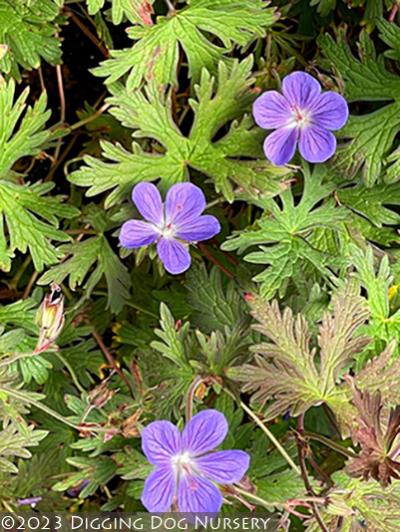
(13, 284)
(71, 372)
(171, 8)
(304, 474)
(14, 358)
(255, 498)
(141, 309)
(61, 92)
(90, 118)
(30, 284)
(266, 431)
(215, 202)
(206, 252)
(189, 398)
(62, 157)
(88, 33)
(329, 443)
(393, 12)
(37, 404)
(80, 232)
(108, 356)
(271, 437)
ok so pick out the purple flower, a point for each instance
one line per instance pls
(31, 501)
(301, 115)
(186, 465)
(173, 225)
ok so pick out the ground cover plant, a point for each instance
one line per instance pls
(200, 258)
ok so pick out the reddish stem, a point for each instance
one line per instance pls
(204, 249)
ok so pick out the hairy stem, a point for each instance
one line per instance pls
(256, 499)
(37, 404)
(271, 437)
(13, 284)
(88, 33)
(266, 431)
(71, 372)
(190, 395)
(90, 118)
(171, 8)
(206, 252)
(108, 356)
(329, 443)
(304, 474)
(14, 358)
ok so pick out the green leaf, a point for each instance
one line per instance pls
(384, 325)
(21, 126)
(373, 203)
(132, 10)
(284, 235)
(276, 489)
(390, 35)
(172, 344)
(99, 470)
(15, 443)
(31, 219)
(28, 30)
(155, 54)
(324, 6)
(353, 502)
(213, 306)
(35, 476)
(170, 356)
(286, 370)
(22, 314)
(371, 136)
(223, 348)
(28, 218)
(366, 78)
(381, 374)
(149, 113)
(86, 262)
(9, 341)
(276, 483)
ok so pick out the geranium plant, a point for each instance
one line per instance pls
(199, 256)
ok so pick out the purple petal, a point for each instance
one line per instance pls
(204, 432)
(174, 255)
(201, 228)
(160, 441)
(271, 110)
(30, 500)
(225, 467)
(199, 495)
(279, 146)
(159, 490)
(148, 202)
(301, 89)
(184, 202)
(330, 111)
(316, 144)
(136, 233)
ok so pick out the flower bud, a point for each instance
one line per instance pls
(50, 318)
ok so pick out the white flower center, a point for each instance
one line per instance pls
(300, 117)
(168, 231)
(183, 463)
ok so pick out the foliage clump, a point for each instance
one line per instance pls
(286, 321)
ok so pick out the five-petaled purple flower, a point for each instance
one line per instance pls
(186, 465)
(300, 115)
(173, 225)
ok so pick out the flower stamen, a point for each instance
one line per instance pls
(183, 464)
(301, 117)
